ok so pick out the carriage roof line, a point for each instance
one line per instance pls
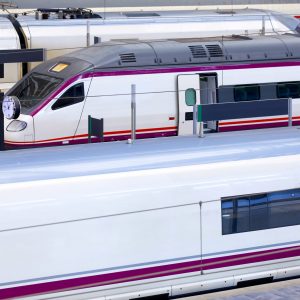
(136, 54)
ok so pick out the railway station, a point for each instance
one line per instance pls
(150, 151)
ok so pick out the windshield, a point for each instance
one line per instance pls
(33, 89)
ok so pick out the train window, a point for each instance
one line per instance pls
(227, 216)
(246, 93)
(288, 90)
(258, 212)
(263, 211)
(33, 89)
(242, 215)
(73, 95)
(190, 97)
(284, 208)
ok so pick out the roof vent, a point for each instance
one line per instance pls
(128, 58)
(198, 51)
(214, 50)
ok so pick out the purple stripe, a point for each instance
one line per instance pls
(166, 70)
(94, 140)
(253, 126)
(150, 272)
(257, 126)
(193, 69)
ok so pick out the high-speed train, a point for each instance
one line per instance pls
(170, 77)
(60, 31)
(168, 217)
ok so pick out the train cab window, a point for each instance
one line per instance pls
(190, 97)
(288, 90)
(246, 93)
(73, 95)
(261, 211)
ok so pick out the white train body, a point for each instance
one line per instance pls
(118, 221)
(61, 36)
(58, 96)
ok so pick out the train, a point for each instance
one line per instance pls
(170, 77)
(60, 31)
(164, 218)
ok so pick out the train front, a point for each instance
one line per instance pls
(34, 98)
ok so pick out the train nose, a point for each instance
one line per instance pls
(19, 132)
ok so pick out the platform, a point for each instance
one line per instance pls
(110, 157)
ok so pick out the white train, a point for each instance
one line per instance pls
(161, 217)
(62, 31)
(170, 77)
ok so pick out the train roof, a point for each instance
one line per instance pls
(114, 157)
(217, 15)
(138, 54)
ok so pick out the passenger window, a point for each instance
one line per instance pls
(262, 211)
(258, 212)
(288, 90)
(246, 93)
(73, 95)
(227, 217)
(190, 97)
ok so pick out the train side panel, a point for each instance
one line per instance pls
(150, 232)
(156, 105)
(268, 79)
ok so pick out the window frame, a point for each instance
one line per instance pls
(289, 200)
(82, 97)
(286, 83)
(235, 87)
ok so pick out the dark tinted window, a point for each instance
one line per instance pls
(258, 212)
(288, 90)
(73, 95)
(246, 93)
(263, 211)
(227, 216)
(34, 88)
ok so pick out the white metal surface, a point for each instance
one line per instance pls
(95, 209)
(64, 36)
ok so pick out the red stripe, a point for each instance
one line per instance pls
(86, 135)
(253, 121)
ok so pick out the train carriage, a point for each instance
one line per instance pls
(61, 31)
(170, 77)
(160, 217)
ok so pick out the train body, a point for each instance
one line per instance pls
(61, 32)
(170, 77)
(159, 217)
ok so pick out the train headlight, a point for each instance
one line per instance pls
(16, 125)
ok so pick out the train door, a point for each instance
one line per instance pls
(194, 89)
(208, 95)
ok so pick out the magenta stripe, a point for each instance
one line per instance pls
(150, 272)
(253, 126)
(193, 69)
(207, 68)
(257, 126)
(94, 140)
